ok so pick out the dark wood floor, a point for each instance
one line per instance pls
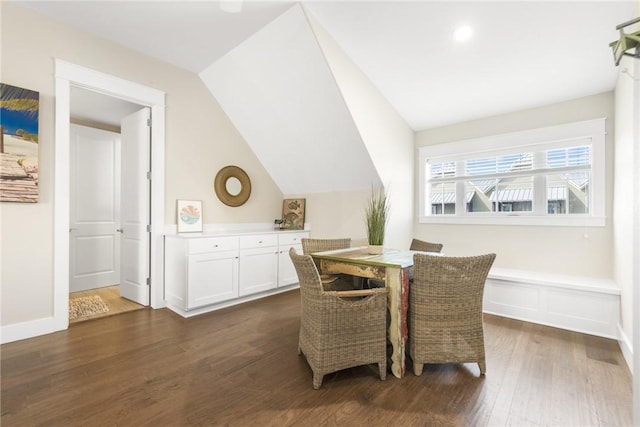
(239, 367)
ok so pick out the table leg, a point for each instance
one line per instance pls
(397, 280)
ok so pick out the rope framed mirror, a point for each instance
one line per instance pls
(232, 186)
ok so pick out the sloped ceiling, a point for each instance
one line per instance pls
(278, 90)
(524, 54)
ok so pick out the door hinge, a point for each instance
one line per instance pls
(149, 176)
(149, 281)
(149, 122)
(148, 228)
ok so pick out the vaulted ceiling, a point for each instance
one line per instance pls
(278, 89)
(266, 69)
(523, 53)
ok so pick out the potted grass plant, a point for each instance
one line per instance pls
(376, 216)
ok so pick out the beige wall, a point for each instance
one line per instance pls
(328, 217)
(582, 251)
(199, 141)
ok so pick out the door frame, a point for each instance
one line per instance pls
(66, 76)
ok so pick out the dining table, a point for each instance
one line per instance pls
(391, 266)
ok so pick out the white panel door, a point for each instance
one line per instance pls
(135, 243)
(94, 244)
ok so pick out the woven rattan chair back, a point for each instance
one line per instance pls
(308, 276)
(421, 245)
(335, 332)
(310, 246)
(330, 282)
(445, 310)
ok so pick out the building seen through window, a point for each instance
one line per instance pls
(507, 183)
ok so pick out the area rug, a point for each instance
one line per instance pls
(86, 306)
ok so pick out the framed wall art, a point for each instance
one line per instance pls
(19, 109)
(293, 214)
(189, 216)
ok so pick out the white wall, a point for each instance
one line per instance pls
(584, 251)
(277, 89)
(388, 139)
(626, 212)
(199, 141)
(626, 248)
(625, 193)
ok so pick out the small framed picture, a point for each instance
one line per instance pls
(293, 214)
(189, 216)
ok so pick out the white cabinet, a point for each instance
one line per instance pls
(286, 271)
(200, 271)
(258, 263)
(205, 272)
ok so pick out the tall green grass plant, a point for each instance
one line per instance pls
(377, 215)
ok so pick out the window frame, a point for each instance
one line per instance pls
(588, 132)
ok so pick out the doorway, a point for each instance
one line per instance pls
(96, 228)
(151, 286)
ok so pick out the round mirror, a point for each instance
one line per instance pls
(232, 186)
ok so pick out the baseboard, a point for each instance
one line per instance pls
(625, 347)
(30, 329)
(176, 309)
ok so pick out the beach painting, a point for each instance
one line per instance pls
(18, 144)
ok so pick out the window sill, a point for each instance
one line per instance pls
(526, 220)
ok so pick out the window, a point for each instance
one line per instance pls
(547, 176)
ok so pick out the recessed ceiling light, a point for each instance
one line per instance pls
(462, 33)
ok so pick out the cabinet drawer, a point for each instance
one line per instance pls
(292, 238)
(258, 241)
(212, 244)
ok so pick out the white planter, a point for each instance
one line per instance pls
(375, 249)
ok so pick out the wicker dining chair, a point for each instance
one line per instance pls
(445, 310)
(339, 329)
(421, 245)
(330, 282)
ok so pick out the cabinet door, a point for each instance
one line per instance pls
(286, 271)
(212, 278)
(258, 270)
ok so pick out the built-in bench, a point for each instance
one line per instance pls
(581, 304)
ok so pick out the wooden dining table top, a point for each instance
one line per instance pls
(360, 255)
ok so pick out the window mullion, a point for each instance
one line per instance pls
(461, 209)
(540, 184)
(540, 195)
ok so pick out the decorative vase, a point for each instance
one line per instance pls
(375, 249)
